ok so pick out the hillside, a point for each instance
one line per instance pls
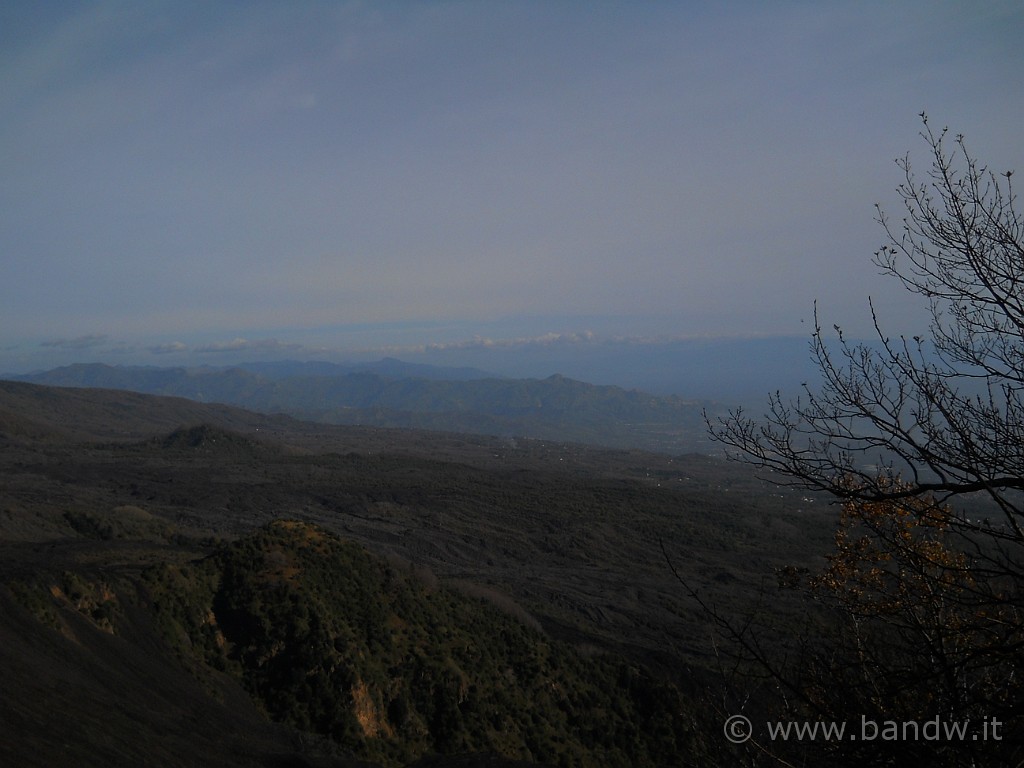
(127, 521)
(392, 394)
(335, 641)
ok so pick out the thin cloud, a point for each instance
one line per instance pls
(245, 345)
(79, 342)
(546, 340)
(485, 342)
(166, 349)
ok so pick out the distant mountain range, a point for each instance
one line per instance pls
(389, 367)
(733, 370)
(392, 393)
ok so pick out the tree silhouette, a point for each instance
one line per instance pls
(922, 440)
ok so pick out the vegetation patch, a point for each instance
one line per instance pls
(333, 640)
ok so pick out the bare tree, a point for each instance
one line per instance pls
(922, 439)
(941, 415)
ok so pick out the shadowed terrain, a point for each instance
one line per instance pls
(104, 489)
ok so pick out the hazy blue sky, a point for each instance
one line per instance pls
(288, 178)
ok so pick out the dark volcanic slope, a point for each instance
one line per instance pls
(32, 411)
(107, 484)
(574, 534)
(88, 698)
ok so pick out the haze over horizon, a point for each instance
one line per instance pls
(195, 182)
